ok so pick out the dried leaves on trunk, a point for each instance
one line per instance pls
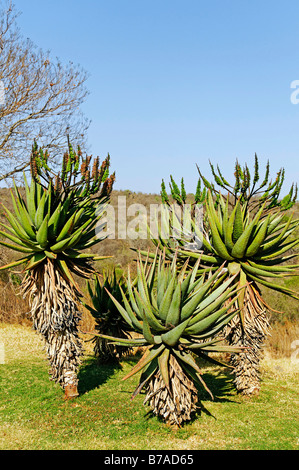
(55, 316)
(256, 329)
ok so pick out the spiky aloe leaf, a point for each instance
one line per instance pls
(13, 264)
(146, 359)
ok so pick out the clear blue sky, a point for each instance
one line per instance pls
(178, 82)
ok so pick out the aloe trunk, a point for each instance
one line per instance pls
(55, 315)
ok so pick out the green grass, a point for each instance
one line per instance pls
(33, 414)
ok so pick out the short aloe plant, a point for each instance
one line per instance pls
(247, 228)
(176, 315)
(108, 320)
(52, 226)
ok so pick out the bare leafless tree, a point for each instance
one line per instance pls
(40, 98)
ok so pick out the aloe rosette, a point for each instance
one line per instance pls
(176, 315)
(43, 230)
(52, 226)
(253, 245)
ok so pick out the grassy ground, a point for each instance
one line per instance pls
(33, 414)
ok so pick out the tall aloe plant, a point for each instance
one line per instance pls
(177, 315)
(53, 225)
(247, 228)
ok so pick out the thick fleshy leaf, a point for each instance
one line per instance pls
(151, 354)
(22, 249)
(125, 341)
(172, 337)
(127, 313)
(163, 361)
(154, 323)
(276, 287)
(146, 374)
(13, 264)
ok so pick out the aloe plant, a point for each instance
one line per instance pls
(52, 226)
(247, 228)
(177, 315)
(107, 318)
